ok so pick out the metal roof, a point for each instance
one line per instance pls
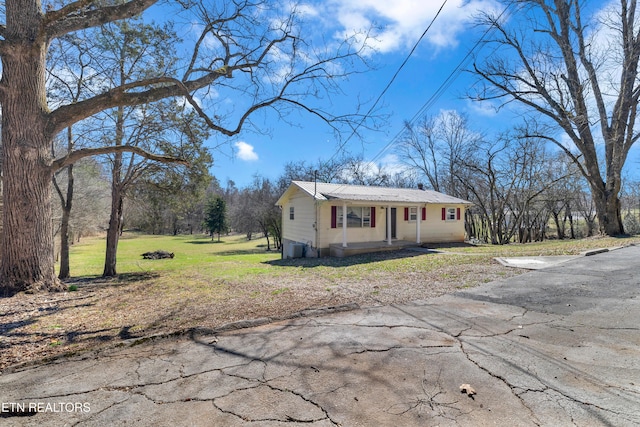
(324, 191)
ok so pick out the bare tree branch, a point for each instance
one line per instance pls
(76, 155)
(79, 15)
(159, 88)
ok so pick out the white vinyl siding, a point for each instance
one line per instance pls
(304, 228)
(301, 229)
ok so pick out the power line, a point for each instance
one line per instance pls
(415, 46)
(446, 84)
(443, 87)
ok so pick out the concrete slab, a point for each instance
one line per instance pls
(553, 347)
(534, 262)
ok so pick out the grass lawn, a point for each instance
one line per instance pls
(547, 247)
(235, 258)
(209, 285)
(232, 258)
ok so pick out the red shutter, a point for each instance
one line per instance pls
(424, 214)
(334, 216)
(458, 214)
(406, 214)
(444, 214)
(373, 216)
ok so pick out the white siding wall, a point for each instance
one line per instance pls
(438, 230)
(300, 229)
(433, 229)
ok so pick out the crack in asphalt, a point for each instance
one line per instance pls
(309, 400)
(288, 418)
(544, 389)
(502, 379)
(430, 401)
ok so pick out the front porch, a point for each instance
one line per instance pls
(340, 251)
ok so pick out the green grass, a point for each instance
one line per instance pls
(545, 248)
(232, 258)
(201, 262)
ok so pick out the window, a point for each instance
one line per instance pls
(291, 213)
(451, 214)
(413, 214)
(356, 216)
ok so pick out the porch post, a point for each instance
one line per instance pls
(389, 224)
(418, 214)
(344, 224)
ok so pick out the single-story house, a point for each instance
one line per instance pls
(377, 218)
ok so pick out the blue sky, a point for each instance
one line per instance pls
(402, 22)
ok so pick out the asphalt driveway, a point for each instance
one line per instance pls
(558, 346)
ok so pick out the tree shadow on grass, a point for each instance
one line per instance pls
(49, 328)
(346, 261)
(119, 280)
(205, 242)
(254, 251)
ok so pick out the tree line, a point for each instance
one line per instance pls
(522, 190)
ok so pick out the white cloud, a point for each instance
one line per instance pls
(482, 108)
(392, 164)
(245, 152)
(401, 22)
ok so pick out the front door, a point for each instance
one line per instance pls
(393, 224)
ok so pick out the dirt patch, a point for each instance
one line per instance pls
(107, 312)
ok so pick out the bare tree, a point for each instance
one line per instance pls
(264, 196)
(249, 50)
(70, 73)
(436, 147)
(243, 217)
(587, 210)
(357, 171)
(580, 74)
(330, 171)
(505, 181)
(91, 193)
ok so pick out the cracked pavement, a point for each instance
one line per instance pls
(554, 347)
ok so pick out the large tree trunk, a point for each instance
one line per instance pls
(26, 260)
(65, 271)
(113, 233)
(117, 194)
(66, 204)
(607, 203)
(608, 213)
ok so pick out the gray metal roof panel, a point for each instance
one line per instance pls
(325, 191)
